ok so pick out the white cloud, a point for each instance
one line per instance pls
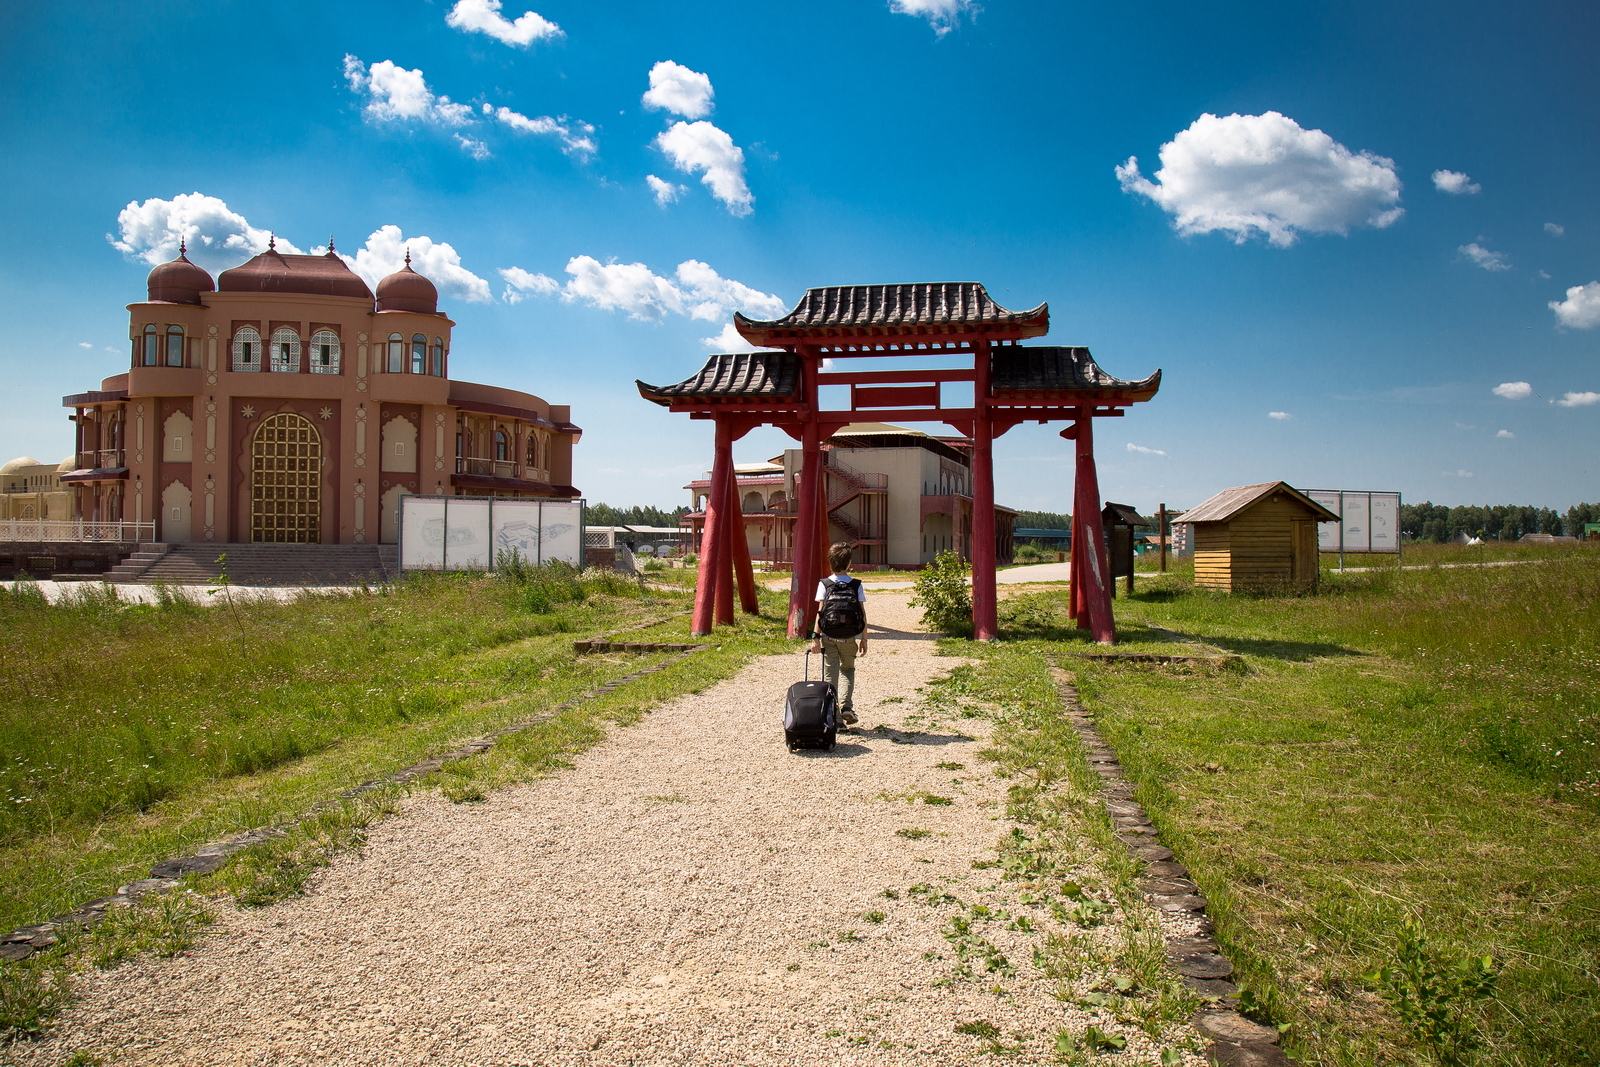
(1458, 474)
(942, 15)
(395, 94)
(475, 149)
(1581, 308)
(218, 236)
(483, 16)
(665, 192)
(1545, 275)
(1143, 451)
(1281, 416)
(576, 139)
(520, 284)
(385, 252)
(85, 344)
(1578, 400)
(1455, 183)
(1506, 434)
(729, 340)
(676, 88)
(1484, 258)
(1244, 174)
(700, 146)
(1554, 229)
(699, 292)
(1513, 390)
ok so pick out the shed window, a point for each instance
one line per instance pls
(419, 354)
(286, 350)
(246, 349)
(152, 347)
(324, 352)
(175, 346)
(397, 354)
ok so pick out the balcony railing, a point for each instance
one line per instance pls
(75, 530)
(104, 459)
(486, 468)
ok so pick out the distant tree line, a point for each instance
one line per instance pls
(1043, 520)
(606, 515)
(1500, 522)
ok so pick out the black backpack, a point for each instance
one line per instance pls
(842, 614)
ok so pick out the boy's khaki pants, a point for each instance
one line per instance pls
(839, 657)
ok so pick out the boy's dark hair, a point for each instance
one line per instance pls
(839, 556)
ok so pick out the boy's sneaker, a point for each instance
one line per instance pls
(848, 715)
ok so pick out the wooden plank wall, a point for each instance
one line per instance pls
(1258, 549)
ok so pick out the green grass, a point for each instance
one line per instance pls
(1402, 781)
(131, 734)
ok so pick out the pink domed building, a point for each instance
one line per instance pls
(286, 402)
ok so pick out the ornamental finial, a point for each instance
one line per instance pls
(272, 242)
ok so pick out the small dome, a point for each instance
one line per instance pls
(406, 290)
(20, 462)
(179, 282)
(66, 465)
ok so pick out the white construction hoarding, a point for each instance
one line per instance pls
(452, 533)
(1370, 522)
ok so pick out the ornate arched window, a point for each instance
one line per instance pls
(246, 349)
(419, 354)
(286, 350)
(324, 352)
(438, 358)
(175, 346)
(152, 347)
(502, 447)
(397, 354)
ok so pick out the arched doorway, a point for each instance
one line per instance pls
(286, 481)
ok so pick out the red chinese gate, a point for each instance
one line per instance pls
(1011, 384)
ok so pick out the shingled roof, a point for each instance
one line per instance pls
(1228, 503)
(738, 375)
(877, 310)
(1046, 368)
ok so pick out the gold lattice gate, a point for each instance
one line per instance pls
(286, 481)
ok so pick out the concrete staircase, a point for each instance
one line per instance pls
(265, 564)
(131, 568)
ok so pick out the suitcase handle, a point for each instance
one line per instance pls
(807, 676)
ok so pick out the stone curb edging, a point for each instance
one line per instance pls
(168, 874)
(1198, 960)
(580, 647)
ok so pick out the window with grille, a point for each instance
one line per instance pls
(175, 346)
(152, 347)
(246, 349)
(397, 354)
(438, 357)
(419, 354)
(324, 352)
(286, 350)
(286, 481)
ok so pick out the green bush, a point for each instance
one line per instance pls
(942, 592)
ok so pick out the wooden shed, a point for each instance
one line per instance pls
(1256, 537)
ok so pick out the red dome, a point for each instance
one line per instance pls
(178, 282)
(274, 272)
(406, 290)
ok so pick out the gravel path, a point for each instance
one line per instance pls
(688, 893)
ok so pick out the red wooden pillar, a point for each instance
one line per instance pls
(714, 575)
(739, 542)
(1093, 567)
(985, 623)
(805, 529)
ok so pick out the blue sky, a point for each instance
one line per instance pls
(1390, 212)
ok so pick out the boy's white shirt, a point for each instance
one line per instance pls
(840, 579)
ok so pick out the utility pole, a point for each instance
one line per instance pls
(1161, 525)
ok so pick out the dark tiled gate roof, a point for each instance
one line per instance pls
(737, 375)
(1048, 368)
(923, 307)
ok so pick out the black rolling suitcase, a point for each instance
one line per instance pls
(810, 714)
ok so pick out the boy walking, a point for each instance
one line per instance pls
(841, 627)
